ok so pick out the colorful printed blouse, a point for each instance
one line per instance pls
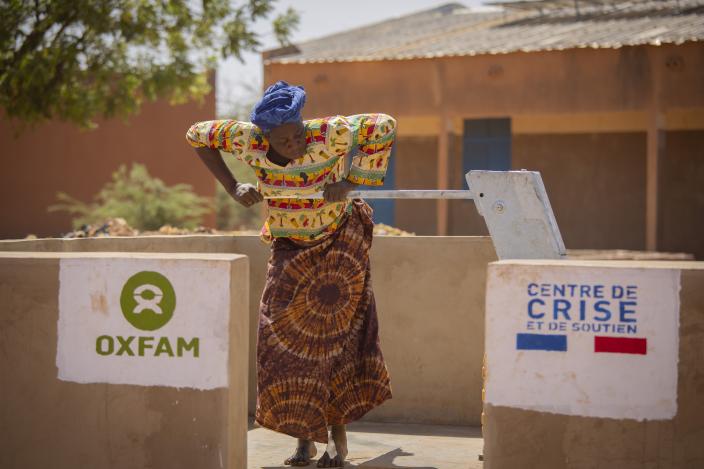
(361, 142)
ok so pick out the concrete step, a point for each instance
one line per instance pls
(380, 446)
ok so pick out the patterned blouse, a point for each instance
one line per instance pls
(361, 142)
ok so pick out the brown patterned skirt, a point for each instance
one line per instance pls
(318, 357)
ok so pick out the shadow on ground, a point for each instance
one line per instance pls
(385, 461)
(388, 460)
(414, 429)
(375, 445)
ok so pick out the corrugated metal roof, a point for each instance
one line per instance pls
(454, 30)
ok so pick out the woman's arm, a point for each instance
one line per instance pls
(375, 135)
(208, 138)
(245, 194)
(366, 139)
(337, 191)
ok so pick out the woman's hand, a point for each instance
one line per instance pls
(337, 191)
(246, 194)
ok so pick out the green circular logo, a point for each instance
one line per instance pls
(148, 300)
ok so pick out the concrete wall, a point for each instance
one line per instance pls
(59, 424)
(430, 300)
(59, 157)
(515, 438)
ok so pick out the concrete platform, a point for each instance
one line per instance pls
(380, 446)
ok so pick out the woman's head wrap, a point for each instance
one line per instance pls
(281, 103)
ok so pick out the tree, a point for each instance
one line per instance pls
(80, 59)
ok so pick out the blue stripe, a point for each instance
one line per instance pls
(551, 342)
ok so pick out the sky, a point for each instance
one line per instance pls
(237, 81)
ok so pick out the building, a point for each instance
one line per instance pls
(604, 97)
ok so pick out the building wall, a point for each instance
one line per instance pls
(682, 193)
(430, 301)
(57, 156)
(595, 182)
(502, 84)
(579, 116)
(416, 168)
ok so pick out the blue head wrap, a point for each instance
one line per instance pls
(281, 103)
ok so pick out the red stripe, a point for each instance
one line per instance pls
(620, 345)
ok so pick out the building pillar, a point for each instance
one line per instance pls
(443, 165)
(655, 148)
(443, 171)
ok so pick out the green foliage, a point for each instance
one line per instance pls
(284, 24)
(80, 59)
(145, 202)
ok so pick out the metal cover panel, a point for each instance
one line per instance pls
(517, 212)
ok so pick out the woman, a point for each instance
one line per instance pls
(319, 363)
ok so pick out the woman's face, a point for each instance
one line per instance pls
(289, 140)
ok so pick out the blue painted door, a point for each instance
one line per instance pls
(486, 144)
(384, 209)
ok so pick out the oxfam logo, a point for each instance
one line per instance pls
(148, 300)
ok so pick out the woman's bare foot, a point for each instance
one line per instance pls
(305, 450)
(336, 452)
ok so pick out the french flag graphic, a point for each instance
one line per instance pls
(632, 345)
(548, 342)
(602, 344)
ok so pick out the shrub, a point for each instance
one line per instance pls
(145, 202)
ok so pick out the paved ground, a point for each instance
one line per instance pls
(381, 446)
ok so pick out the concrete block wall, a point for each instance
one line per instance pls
(430, 302)
(518, 437)
(46, 422)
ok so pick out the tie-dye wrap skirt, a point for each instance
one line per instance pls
(319, 361)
